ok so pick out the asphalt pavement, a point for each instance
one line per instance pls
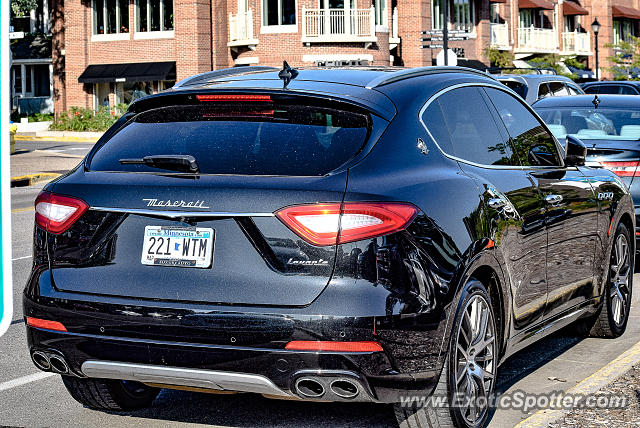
(32, 398)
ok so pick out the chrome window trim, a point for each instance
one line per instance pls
(502, 88)
(179, 214)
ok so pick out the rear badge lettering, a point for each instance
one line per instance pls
(320, 262)
(174, 204)
(605, 196)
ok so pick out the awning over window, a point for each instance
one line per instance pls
(131, 72)
(535, 4)
(572, 8)
(497, 1)
(624, 12)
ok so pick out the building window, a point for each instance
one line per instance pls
(110, 16)
(278, 12)
(622, 29)
(461, 15)
(154, 15)
(381, 12)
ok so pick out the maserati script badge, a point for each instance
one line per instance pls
(174, 204)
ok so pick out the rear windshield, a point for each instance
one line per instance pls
(240, 138)
(591, 123)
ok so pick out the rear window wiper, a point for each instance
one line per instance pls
(186, 163)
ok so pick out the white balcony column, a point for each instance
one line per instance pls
(347, 17)
(304, 20)
(372, 20)
(394, 23)
(327, 21)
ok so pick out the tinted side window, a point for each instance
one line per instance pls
(543, 91)
(532, 143)
(609, 89)
(474, 132)
(518, 87)
(573, 90)
(628, 90)
(592, 90)
(433, 119)
(558, 89)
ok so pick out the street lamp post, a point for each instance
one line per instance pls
(595, 27)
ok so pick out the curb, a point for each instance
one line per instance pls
(31, 179)
(57, 139)
(607, 374)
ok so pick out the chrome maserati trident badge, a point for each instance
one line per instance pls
(174, 204)
(422, 146)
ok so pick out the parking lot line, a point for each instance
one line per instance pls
(21, 210)
(24, 380)
(588, 385)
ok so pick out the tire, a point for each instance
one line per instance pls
(458, 365)
(611, 319)
(110, 394)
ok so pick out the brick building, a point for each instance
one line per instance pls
(112, 51)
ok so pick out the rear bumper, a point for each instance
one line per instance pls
(265, 368)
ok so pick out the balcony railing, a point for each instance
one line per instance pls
(531, 39)
(576, 43)
(500, 35)
(394, 38)
(241, 29)
(338, 25)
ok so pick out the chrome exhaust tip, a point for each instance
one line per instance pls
(344, 388)
(41, 360)
(309, 388)
(58, 364)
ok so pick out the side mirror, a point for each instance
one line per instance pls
(575, 151)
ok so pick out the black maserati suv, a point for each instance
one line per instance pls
(362, 235)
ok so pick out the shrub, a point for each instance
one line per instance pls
(499, 58)
(82, 119)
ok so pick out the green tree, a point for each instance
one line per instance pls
(498, 58)
(22, 8)
(625, 57)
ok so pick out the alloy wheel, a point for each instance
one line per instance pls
(619, 279)
(474, 360)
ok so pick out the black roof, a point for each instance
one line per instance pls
(369, 87)
(355, 76)
(606, 101)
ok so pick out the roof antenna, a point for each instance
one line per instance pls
(595, 101)
(287, 74)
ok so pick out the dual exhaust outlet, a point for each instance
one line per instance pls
(341, 388)
(50, 362)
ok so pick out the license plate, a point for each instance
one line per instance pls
(178, 246)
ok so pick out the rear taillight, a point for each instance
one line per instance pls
(328, 224)
(56, 213)
(622, 168)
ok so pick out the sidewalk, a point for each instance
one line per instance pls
(39, 165)
(61, 136)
